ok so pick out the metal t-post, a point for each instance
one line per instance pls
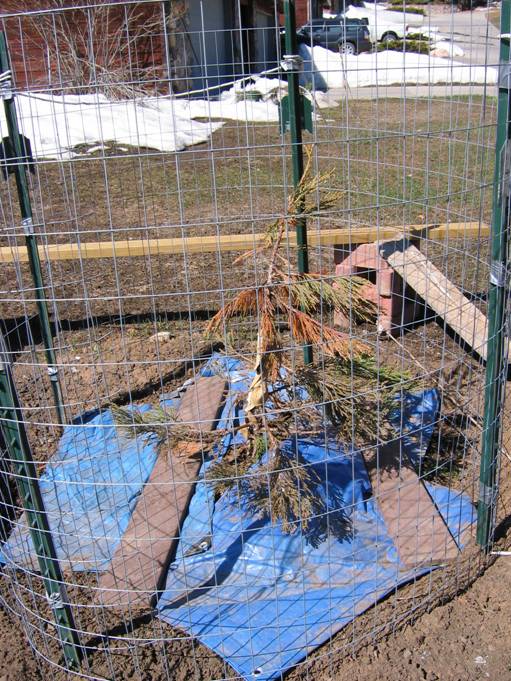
(21, 460)
(295, 127)
(496, 367)
(20, 171)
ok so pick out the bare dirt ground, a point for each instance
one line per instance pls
(461, 639)
(466, 639)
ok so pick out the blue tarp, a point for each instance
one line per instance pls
(260, 598)
(263, 599)
(310, 75)
(89, 489)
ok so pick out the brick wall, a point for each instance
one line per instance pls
(37, 64)
(28, 54)
(303, 8)
(302, 11)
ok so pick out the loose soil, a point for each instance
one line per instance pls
(466, 639)
(131, 357)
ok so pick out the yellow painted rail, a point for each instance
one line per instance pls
(237, 242)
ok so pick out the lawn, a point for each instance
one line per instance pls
(398, 162)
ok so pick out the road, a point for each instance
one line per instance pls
(472, 31)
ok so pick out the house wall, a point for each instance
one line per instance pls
(211, 36)
(29, 56)
(306, 9)
(266, 40)
(302, 11)
(238, 40)
(196, 58)
(39, 49)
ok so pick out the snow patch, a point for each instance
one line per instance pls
(235, 104)
(394, 68)
(56, 124)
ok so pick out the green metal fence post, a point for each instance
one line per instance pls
(22, 463)
(496, 367)
(295, 127)
(20, 171)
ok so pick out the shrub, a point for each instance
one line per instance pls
(399, 7)
(417, 46)
(418, 36)
(407, 9)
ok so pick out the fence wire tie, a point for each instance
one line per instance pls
(28, 226)
(487, 494)
(291, 63)
(499, 274)
(53, 373)
(6, 85)
(56, 600)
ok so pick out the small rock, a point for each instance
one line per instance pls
(480, 660)
(407, 654)
(439, 53)
(162, 336)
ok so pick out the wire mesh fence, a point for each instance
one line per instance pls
(253, 315)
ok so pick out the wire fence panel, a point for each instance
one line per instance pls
(253, 316)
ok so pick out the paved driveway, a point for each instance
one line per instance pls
(472, 31)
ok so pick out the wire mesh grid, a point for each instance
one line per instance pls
(252, 452)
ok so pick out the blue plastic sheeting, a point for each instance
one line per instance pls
(414, 419)
(89, 489)
(310, 76)
(263, 599)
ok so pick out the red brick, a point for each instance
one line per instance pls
(397, 304)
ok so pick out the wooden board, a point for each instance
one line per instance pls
(411, 517)
(442, 296)
(139, 564)
(235, 242)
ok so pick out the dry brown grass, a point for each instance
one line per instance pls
(430, 161)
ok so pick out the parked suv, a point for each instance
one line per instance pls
(348, 36)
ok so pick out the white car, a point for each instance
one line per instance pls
(408, 18)
(383, 24)
(389, 16)
(379, 30)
